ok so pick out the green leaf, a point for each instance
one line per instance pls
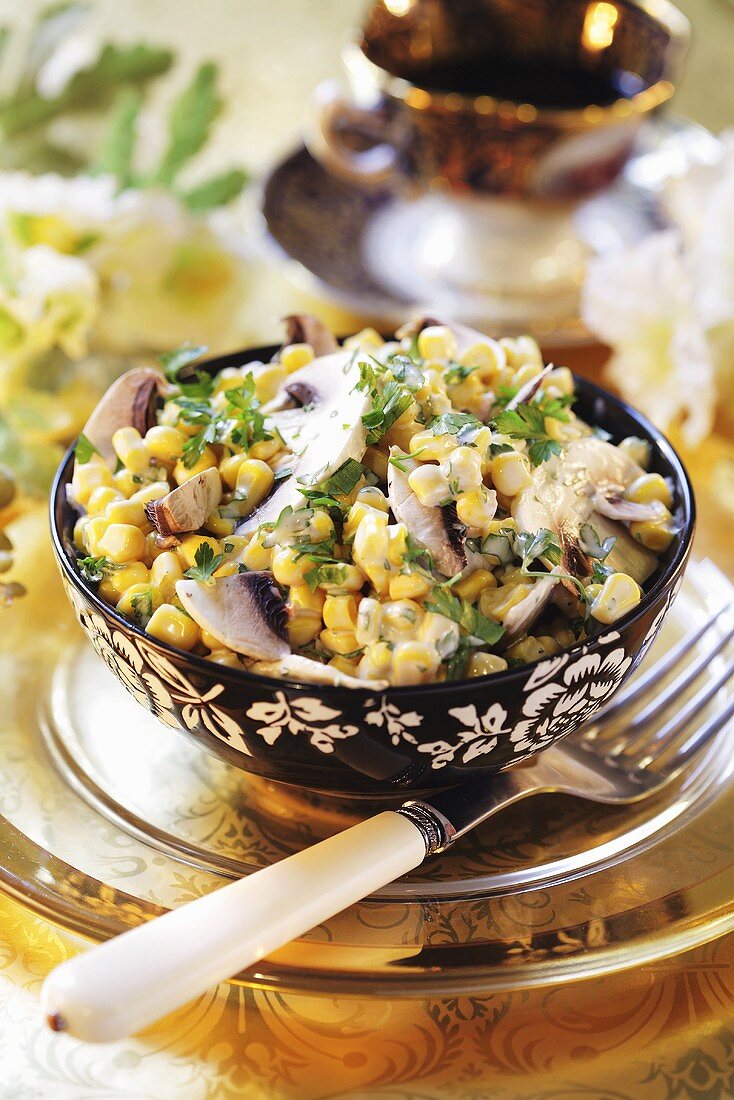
(542, 544)
(115, 155)
(95, 570)
(592, 545)
(457, 662)
(207, 563)
(142, 606)
(216, 191)
(174, 361)
(540, 450)
(466, 615)
(91, 88)
(84, 449)
(328, 573)
(457, 373)
(451, 423)
(343, 480)
(524, 422)
(190, 123)
(388, 406)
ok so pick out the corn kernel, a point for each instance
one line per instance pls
(409, 586)
(370, 550)
(256, 556)
(122, 542)
(101, 498)
(510, 473)
(649, 488)
(295, 356)
(463, 470)
(440, 633)
(119, 580)
(165, 571)
(78, 534)
(476, 509)
(339, 641)
(365, 339)
(413, 663)
(182, 474)
(487, 356)
(342, 578)
(126, 482)
(127, 511)
(220, 526)
(560, 378)
(268, 381)
(302, 598)
(374, 497)
(401, 619)
(376, 662)
(655, 534)
(532, 649)
(484, 664)
(340, 613)
(369, 619)
(265, 449)
(139, 601)
(437, 342)
(354, 517)
(303, 628)
(224, 657)
(430, 485)
(471, 587)
(526, 373)
(289, 567)
(619, 594)
(227, 569)
(496, 602)
(229, 467)
(637, 449)
(172, 625)
(349, 668)
(191, 543)
(165, 443)
(397, 543)
(94, 530)
(131, 449)
(520, 350)
(87, 477)
(432, 448)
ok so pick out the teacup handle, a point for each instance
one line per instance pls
(334, 113)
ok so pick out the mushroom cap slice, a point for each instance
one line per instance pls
(437, 529)
(128, 403)
(304, 328)
(521, 617)
(244, 612)
(313, 672)
(186, 508)
(322, 436)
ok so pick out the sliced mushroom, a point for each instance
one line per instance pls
(244, 612)
(322, 435)
(629, 511)
(129, 403)
(565, 491)
(304, 328)
(437, 529)
(313, 672)
(186, 508)
(521, 617)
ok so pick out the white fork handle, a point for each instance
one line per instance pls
(122, 986)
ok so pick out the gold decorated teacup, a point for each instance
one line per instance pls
(492, 120)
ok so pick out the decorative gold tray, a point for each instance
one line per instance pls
(110, 816)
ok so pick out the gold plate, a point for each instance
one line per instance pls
(111, 817)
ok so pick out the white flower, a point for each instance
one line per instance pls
(640, 301)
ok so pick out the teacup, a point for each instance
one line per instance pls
(537, 104)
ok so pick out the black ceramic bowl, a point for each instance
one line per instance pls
(344, 740)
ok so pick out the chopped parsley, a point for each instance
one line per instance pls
(84, 449)
(343, 480)
(95, 570)
(388, 405)
(242, 421)
(458, 373)
(457, 662)
(329, 572)
(207, 563)
(466, 615)
(173, 362)
(528, 422)
(142, 607)
(452, 423)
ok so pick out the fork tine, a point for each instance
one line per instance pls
(663, 700)
(655, 742)
(698, 741)
(661, 668)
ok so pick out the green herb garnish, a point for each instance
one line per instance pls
(466, 615)
(207, 563)
(84, 449)
(95, 570)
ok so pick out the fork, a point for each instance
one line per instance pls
(131, 981)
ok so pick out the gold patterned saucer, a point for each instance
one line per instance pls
(109, 817)
(365, 250)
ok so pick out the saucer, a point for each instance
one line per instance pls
(367, 250)
(109, 818)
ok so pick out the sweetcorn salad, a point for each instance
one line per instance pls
(379, 513)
